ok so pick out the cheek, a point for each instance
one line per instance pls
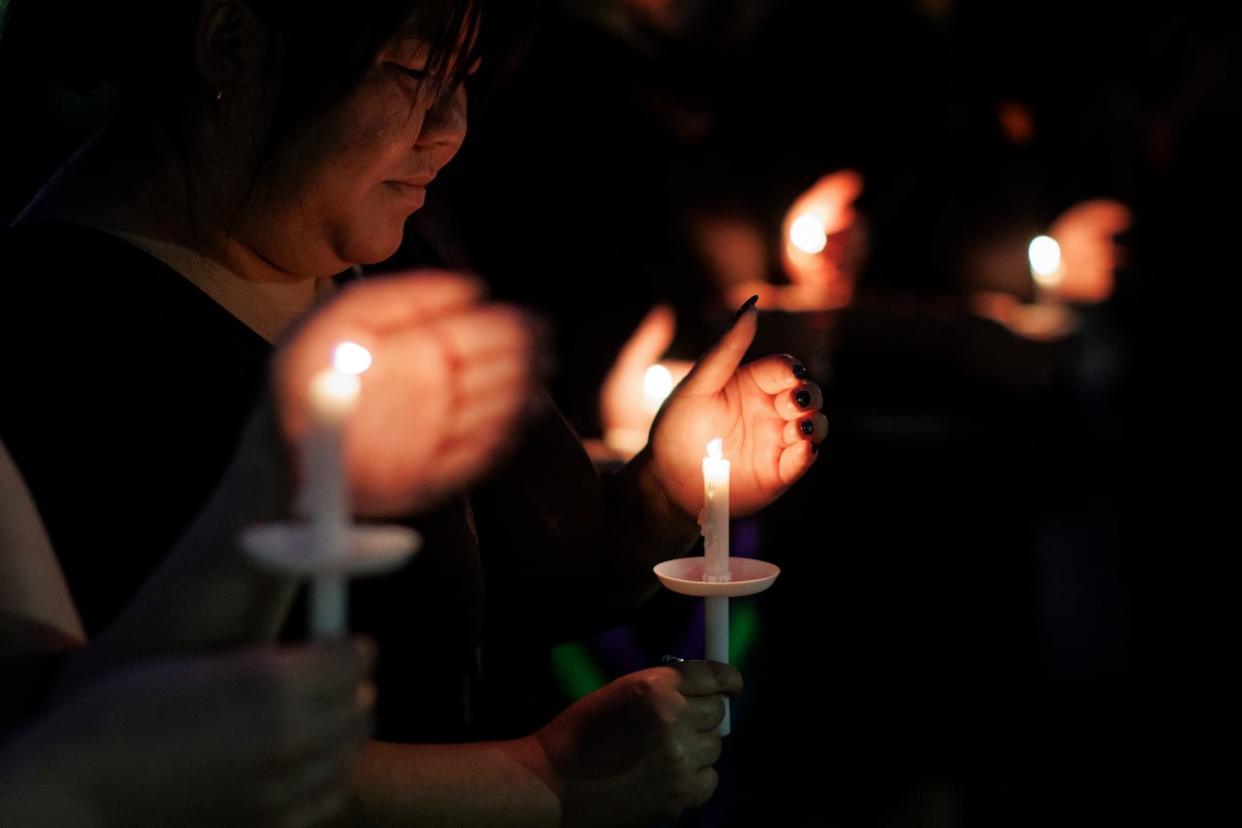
(380, 139)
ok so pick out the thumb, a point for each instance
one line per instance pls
(715, 367)
(650, 340)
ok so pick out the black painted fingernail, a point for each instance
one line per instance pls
(814, 448)
(808, 427)
(799, 371)
(802, 398)
(750, 303)
(670, 660)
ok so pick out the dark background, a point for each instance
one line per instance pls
(995, 608)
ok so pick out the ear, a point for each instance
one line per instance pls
(229, 45)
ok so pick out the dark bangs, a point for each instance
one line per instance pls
(320, 51)
(144, 49)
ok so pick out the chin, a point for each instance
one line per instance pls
(374, 246)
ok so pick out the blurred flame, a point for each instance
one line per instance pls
(657, 385)
(351, 358)
(1045, 256)
(715, 449)
(808, 234)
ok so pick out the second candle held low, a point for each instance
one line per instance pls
(714, 521)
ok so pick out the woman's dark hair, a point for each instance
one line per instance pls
(107, 57)
(144, 49)
(323, 50)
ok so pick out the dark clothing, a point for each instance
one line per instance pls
(130, 393)
(124, 422)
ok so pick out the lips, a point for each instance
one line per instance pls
(416, 194)
(415, 180)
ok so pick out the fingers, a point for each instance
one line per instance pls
(702, 786)
(704, 713)
(325, 671)
(303, 735)
(497, 409)
(717, 366)
(384, 302)
(813, 428)
(491, 329)
(650, 340)
(368, 310)
(802, 400)
(321, 698)
(776, 373)
(1107, 217)
(486, 378)
(708, 678)
(462, 461)
(795, 461)
(843, 185)
(830, 200)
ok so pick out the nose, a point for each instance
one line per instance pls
(444, 126)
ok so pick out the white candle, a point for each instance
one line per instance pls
(325, 493)
(715, 524)
(715, 517)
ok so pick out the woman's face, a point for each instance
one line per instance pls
(350, 180)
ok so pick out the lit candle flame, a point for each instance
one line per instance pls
(808, 234)
(657, 385)
(1045, 256)
(351, 358)
(715, 449)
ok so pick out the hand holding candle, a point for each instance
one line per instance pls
(718, 577)
(767, 414)
(447, 380)
(450, 381)
(715, 522)
(640, 749)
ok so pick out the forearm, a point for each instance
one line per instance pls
(481, 784)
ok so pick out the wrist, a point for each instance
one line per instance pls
(532, 754)
(655, 499)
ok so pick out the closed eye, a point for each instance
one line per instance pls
(417, 74)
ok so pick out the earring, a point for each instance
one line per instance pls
(220, 96)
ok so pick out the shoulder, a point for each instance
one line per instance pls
(51, 257)
(82, 283)
(28, 249)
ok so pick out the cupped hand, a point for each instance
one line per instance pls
(1090, 254)
(828, 218)
(450, 381)
(767, 413)
(625, 405)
